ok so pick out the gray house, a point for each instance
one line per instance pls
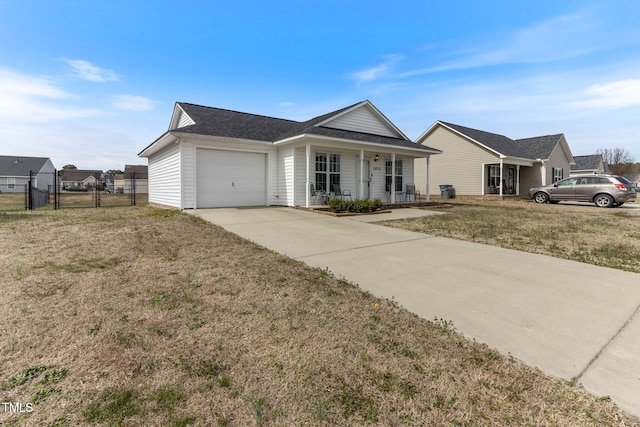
(479, 163)
(588, 165)
(14, 173)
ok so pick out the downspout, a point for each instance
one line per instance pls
(501, 177)
(392, 189)
(361, 192)
(428, 195)
(307, 202)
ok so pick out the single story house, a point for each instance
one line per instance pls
(212, 157)
(478, 163)
(592, 164)
(80, 178)
(15, 172)
(134, 177)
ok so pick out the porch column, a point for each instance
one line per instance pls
(543, 172)
(307, 199)
(427, 192)
(518, 180)
(392, 190)
(361, 185)
(501, 178)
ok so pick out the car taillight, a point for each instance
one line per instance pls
(621, 187)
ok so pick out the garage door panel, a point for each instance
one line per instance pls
(230, 178)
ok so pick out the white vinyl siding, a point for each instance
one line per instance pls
(164, 177)
(286, 165)
(188, 156)
(185, 120)
(362, 120)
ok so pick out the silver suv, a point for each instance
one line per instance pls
(604, 191)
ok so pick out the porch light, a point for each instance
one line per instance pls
(376, 158)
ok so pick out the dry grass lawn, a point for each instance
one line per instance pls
(606, 237)
(143, 317)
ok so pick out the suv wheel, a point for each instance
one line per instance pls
(603, 201)
(541, 197)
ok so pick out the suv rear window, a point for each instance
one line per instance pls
(623, 180)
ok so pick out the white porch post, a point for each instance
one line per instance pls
(361, 191)
(393, 178)
(501, 178)
(543, 172)
(307, 202)
(427, 192)
(518, 180)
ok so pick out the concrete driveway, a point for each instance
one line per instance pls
(571, 320)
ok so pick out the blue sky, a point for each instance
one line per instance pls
(92, 83)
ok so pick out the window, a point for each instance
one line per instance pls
(494, 176)
(558, 174)
(388, 171)
(11, 183)
(568, 181)
(327, 171)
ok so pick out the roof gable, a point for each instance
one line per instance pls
(363, 117)
(180, 118)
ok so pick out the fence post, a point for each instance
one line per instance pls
(133, 187)
(30, 192)
(56, 205)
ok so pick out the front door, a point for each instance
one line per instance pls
(366, 178)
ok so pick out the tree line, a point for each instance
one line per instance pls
(620, 161)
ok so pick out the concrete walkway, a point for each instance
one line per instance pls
(571, 320)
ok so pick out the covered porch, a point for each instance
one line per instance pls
(320, 169)
(505, 178)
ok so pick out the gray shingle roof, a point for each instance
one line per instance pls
(20, 166)
(587, 162)
(233, 124)
(539, 147)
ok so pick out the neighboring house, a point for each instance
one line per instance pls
(592, 164)
(80, 178)
(477, 163)
(14, 173)
(212, 157)
(134, 177)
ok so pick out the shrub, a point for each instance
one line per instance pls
(358, 205)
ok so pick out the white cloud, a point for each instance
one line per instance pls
(87, 71)
(615, 94)
(28, 99)
(558, 38)
(133, 103)
(374, 73)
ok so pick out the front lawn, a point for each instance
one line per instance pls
(137, 316)
(606, 237)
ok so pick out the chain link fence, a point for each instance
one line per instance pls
(46, 191)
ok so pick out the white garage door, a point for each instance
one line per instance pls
(230, 178)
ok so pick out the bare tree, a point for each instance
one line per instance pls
(619, 160)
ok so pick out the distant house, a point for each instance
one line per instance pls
(591, 164)
(15, 172)
(211, 157)
(134, 177)
(478, 163)
(80, 178)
